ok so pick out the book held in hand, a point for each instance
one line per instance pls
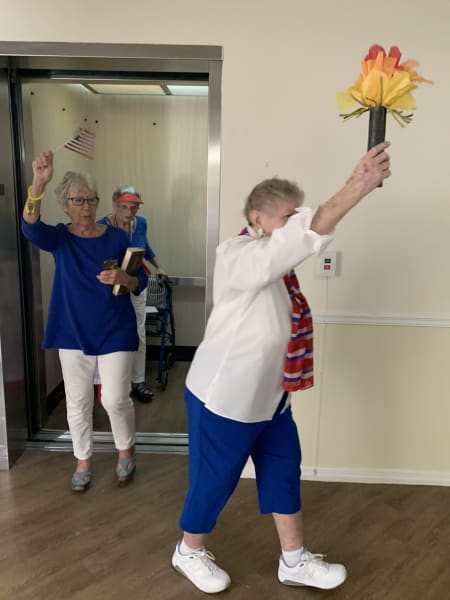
(130, 263)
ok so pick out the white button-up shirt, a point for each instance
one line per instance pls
(237, 370)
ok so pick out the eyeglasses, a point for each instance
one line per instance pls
(128, 206)
(78, 201)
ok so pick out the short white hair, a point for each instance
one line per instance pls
(76, 181)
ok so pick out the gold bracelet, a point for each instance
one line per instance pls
(29, 206)
(30, 197)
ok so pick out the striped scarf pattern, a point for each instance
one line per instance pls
(298, 363)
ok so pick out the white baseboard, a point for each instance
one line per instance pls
(392, 476)
(394, 320)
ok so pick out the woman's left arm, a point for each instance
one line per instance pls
(159, 271)
(135, 283)
(119, 276)
(151, 257)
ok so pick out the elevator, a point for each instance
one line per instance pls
(30, 386)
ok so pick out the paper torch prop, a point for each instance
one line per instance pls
(383, 86)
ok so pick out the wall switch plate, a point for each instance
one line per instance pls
(327, 264)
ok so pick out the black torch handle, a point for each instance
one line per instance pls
(377, 128)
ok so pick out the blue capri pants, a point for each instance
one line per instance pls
(218, 452)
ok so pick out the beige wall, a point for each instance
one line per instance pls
(382, 403)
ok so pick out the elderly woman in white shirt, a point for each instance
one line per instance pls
(257, 349)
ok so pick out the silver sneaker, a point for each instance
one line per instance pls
(312, 571)
(201, 570)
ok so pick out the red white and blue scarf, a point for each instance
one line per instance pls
(298, 362)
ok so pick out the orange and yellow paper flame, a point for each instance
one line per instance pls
(383, 81)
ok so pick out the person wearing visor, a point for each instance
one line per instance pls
(90, 326)
(126, 201)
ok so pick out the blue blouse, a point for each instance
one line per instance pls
(83, 313)
(138, 236)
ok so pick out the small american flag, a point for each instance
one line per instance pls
(82, 142)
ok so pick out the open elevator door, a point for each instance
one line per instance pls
(38, 397)
(14, 412)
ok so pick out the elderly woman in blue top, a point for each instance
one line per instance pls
(257, 348)
(89, 325)
(126, 201)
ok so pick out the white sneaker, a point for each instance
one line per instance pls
(313, 571)
(201, 570)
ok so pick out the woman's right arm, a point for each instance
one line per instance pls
(251, 263)
(38, 233)
(42, 175)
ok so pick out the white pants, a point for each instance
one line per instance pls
(138, 369)
(78, 372)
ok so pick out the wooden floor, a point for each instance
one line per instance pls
(116, 543)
